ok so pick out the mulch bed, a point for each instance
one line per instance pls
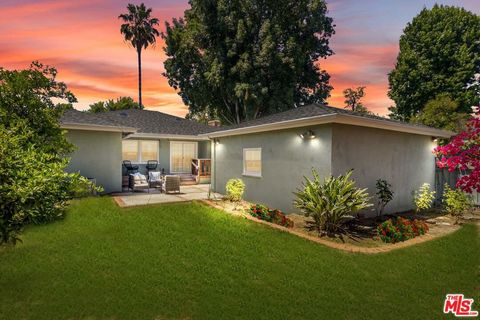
(362, 237)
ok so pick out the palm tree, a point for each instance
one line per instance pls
(139, 30)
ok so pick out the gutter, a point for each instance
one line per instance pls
(96, 127)
(166, 136)
(333, 118)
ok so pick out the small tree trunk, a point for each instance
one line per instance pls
(139, 55)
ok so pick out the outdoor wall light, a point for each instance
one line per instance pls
(216, 140)
(308, 135)
(435, 139)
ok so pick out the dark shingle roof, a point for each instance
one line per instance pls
(73, 116)
(307, 111)
(155, 122)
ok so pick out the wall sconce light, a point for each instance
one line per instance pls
(308, 135)
(216, 141)
(435, 139)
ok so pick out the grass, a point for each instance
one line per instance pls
(188, 261)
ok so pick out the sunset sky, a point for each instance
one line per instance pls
(82, 40)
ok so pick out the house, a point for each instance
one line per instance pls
(104, 140)
(271, 154)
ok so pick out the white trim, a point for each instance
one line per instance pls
(165, 136)
(334, 118)
(252, 174)
(195, 155)
(96, 127)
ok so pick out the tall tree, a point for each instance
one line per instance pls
(243, 59)
(442, 112)
(353, 99)
(35, 97)
(121, 103)
(439, 53)
(139, 29)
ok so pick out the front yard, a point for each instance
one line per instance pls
(189, 261)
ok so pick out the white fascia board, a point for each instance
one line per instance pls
(334, 118)
(95, 127)
(165, 136)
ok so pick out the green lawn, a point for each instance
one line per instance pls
(188, 261)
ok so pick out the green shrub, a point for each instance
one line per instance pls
(34, 188)
(401, 229)
(456, 202)
(235, 189)
(423, 198)
(332, 202)
(384, 195)
(271, 215)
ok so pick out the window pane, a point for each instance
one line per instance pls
(149, 150)
(253, 161)
(130, 150)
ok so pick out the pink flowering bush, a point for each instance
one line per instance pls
(463, 153)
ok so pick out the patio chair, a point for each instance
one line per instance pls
(138, 181)
(155, 179)
(171, 184)
(151, 165)
(130, 167)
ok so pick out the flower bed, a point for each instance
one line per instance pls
(271, 215)
(401, 229)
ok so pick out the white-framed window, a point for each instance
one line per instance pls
(252, 162)
(139, 151)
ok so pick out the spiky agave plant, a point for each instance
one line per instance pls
(331, 202)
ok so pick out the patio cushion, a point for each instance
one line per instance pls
(154, 176)
(139, 178)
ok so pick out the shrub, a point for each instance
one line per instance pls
(423, 198)
(456, 202)
(34, 188)
(271, 215)
(235, 189)
(332, 202)
(401, 229)
(384, 195)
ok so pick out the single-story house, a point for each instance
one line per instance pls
(271, 154)
(104, 140)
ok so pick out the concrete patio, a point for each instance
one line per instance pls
(141, 198)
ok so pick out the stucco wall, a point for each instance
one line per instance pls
(98, 155)
(286, 158)
(405, 160)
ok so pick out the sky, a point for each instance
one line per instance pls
(82, 40)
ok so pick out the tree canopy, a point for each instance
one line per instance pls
(439, 53)
(241, 60)
(353, 99)
(442, 112)
(121, 103)
(35, 97)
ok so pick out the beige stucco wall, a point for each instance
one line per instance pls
(286, 158)
(98, 155)
(405, 160)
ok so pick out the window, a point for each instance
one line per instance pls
(148, 150)
(139, 151)
(252, 162)
(130, 150)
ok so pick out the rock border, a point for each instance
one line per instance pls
(339, 246)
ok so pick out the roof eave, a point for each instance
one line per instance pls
(333, 118)
(140, 135)
(96, 127)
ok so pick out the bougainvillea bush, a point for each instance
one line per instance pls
(463, 153)
(271, 215)
(401, 229)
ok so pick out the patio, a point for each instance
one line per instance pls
(187, 193)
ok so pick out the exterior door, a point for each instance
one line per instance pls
(181, 155)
